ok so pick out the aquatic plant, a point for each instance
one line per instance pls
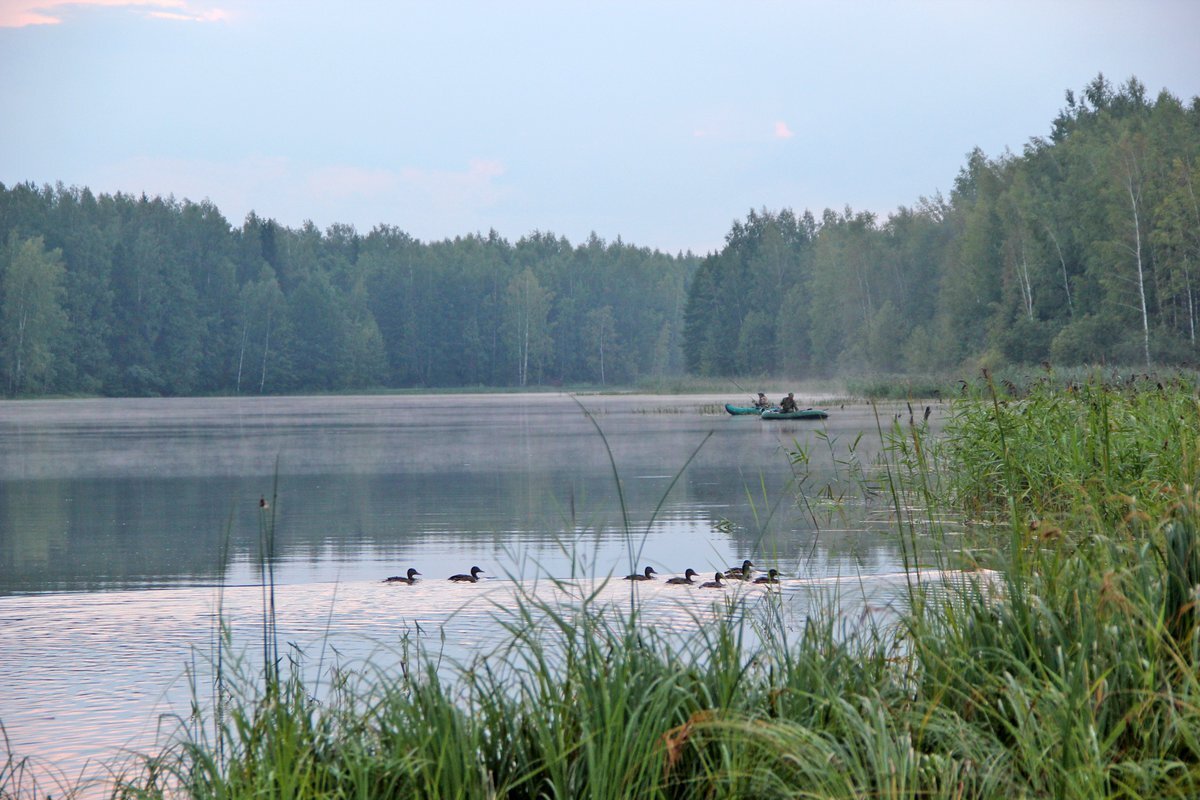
(1094, 448)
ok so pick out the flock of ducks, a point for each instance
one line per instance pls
(742, 573)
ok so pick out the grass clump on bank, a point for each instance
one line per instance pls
(584, 701)
(1083, 667)
(1076, 450)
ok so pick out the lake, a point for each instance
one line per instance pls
(127, 526)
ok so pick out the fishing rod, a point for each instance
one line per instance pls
(753, 395)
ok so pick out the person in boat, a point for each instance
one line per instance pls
(788, 403)
(762, 402)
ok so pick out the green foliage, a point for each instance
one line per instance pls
(738, 294)
(885, 336)
(1080, 660)
(31, 313)
(1104, 449)
(1087, 340)
(604, 344)
(527, 310)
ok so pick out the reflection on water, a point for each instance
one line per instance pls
(98, 495)
(118, 520)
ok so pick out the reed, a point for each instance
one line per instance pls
(1094, 449)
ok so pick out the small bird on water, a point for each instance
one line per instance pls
(772, 576)
(687, 577)
(715, 583)
(647, 576)
(410, 580)
(742, 573)
(472, 578)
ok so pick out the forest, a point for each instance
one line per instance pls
(1078, 250)
(137, 296)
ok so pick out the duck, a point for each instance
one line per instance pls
(772, 576)
(715, 583)
(742, 573)
(472, 578)
(648, 576)
(410, 580)
(687, 577)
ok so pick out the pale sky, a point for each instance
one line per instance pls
(658, 122)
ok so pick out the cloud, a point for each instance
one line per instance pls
(739, 125)
(212, 15)
(339, 182)
(22, 13)
(429, 203)
(234, 186)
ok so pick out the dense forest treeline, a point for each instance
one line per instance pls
(1083, 248)
(123, 295)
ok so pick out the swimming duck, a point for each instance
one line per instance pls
(741, 573)
(472, 578)
(715, 583)
(772, 576)
(410, 580)
(648, 576)
(687, 577)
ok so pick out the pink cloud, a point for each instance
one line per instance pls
(22, 13)
(212, 15)
(341, 182)
(427, 202)
(446, 187)
(782, 131)
(472, 187)
(235, 186)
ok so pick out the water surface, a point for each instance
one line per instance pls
(125, 524)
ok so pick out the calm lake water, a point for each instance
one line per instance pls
(124, 523)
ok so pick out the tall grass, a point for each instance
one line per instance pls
(1096, 448)
(1082, 665)
(585, 701)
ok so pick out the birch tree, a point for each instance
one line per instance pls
(602, 336)
(528, 312)
(1125, 265)
(1177, 238)
(31, 314)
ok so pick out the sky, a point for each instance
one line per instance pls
(659, 122)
